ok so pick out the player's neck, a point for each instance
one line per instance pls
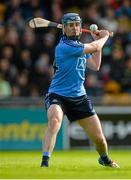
(74, 38)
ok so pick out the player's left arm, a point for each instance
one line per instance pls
(94, 61)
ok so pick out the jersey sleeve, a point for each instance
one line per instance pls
(88, 56)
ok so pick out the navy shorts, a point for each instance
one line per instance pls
(74, 108)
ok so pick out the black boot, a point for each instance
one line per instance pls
(45, 161)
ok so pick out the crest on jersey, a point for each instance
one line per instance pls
(81, 64)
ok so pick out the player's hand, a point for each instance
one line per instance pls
(99, 34)
(95, 35)
(103, 33)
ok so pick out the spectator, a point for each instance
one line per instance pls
(49, 41)
(22, 81)
(125, 9)
(5, 88)
(17, 21)
(8, 70)
(117, 64)
(109, 22)
(93, 85)
(15, 90)
(2, 34)
(126, 81)
(25, 61)
(43, 72)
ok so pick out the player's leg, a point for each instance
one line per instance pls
(92, 127)
(55, 116)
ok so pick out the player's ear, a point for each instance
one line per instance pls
(80, 31)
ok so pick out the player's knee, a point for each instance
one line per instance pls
(54, 125)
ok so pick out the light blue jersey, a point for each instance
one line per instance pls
(69, 77)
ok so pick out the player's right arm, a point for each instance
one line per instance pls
(96, 45)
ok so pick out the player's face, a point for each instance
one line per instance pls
(73, 29)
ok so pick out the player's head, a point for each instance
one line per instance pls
(71, 25)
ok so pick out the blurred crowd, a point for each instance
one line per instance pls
(27, 55)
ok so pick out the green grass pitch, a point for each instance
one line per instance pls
(63, 165)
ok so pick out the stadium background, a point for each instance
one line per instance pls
(26, 68)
